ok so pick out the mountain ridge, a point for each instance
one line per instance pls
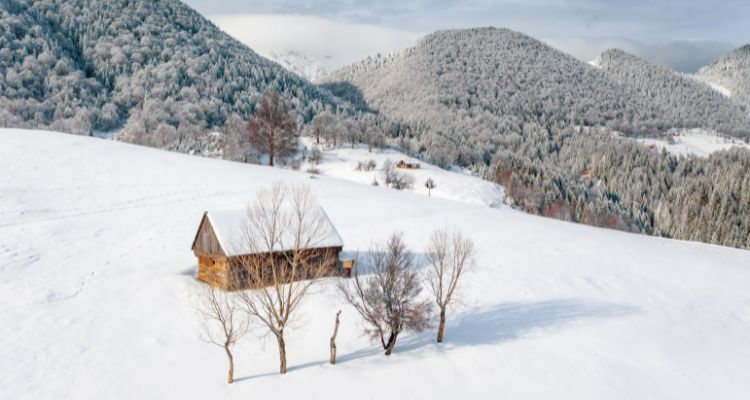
(732, 71)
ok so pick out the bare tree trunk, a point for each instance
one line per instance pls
(441, 327)
(230, 376)
(391, 343)
(282, 352)
(332, 360)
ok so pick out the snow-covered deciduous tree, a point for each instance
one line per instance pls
(320, 125)
(273, 128)
(389, 171)
(449, 256)
(388, 295)
(401, 180)
(91, 66)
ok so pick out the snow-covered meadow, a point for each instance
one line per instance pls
(96, 285)
(697, 142)
(341, 162)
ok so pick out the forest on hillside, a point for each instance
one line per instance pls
(556, 132)
(157, 72)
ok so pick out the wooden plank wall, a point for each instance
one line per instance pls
(206, 241)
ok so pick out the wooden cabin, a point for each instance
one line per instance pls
(405, 165)
(221, 253)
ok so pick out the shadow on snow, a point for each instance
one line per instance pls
(496, 324)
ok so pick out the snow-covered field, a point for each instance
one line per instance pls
(96, 281)
(453, 185)
(695, 141)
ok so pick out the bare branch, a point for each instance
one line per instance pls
(221, 320)
(388, 300)
(449, 255)
(283, 227)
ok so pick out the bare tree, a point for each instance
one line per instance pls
(449, 255)
(388, 300)
(222, 321)
(320, 124)
(332, 359)
(401, 181)
(389, 171)
(334, 132)
(281, 226)
(351, 131)
(370, 131)
(273, 128)
(429, 184)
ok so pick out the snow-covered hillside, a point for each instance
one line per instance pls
(695, 141)
(96, 281)
(453, 185)
(299, 63)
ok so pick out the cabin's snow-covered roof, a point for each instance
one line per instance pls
(229, 227)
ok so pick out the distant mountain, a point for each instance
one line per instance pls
(299, 63)
(730, 73)
(84, 66)
(691, 103)
(549, 128)
(478, 82)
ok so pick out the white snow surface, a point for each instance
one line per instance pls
(455, 185)
(697, 142)
(97, 282)
(229, 227)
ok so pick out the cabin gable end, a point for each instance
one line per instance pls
(206, 241)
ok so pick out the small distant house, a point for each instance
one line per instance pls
(405, 165)
(220, 249)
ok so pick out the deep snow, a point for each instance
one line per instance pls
(96, 281)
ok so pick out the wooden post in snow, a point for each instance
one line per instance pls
(332, 360)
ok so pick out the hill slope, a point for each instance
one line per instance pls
(519, 112)
(695, 104)
(464, 82)
(84, 65)
(732, 73)
(96, 285)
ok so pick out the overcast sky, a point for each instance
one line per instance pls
(681, 34)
